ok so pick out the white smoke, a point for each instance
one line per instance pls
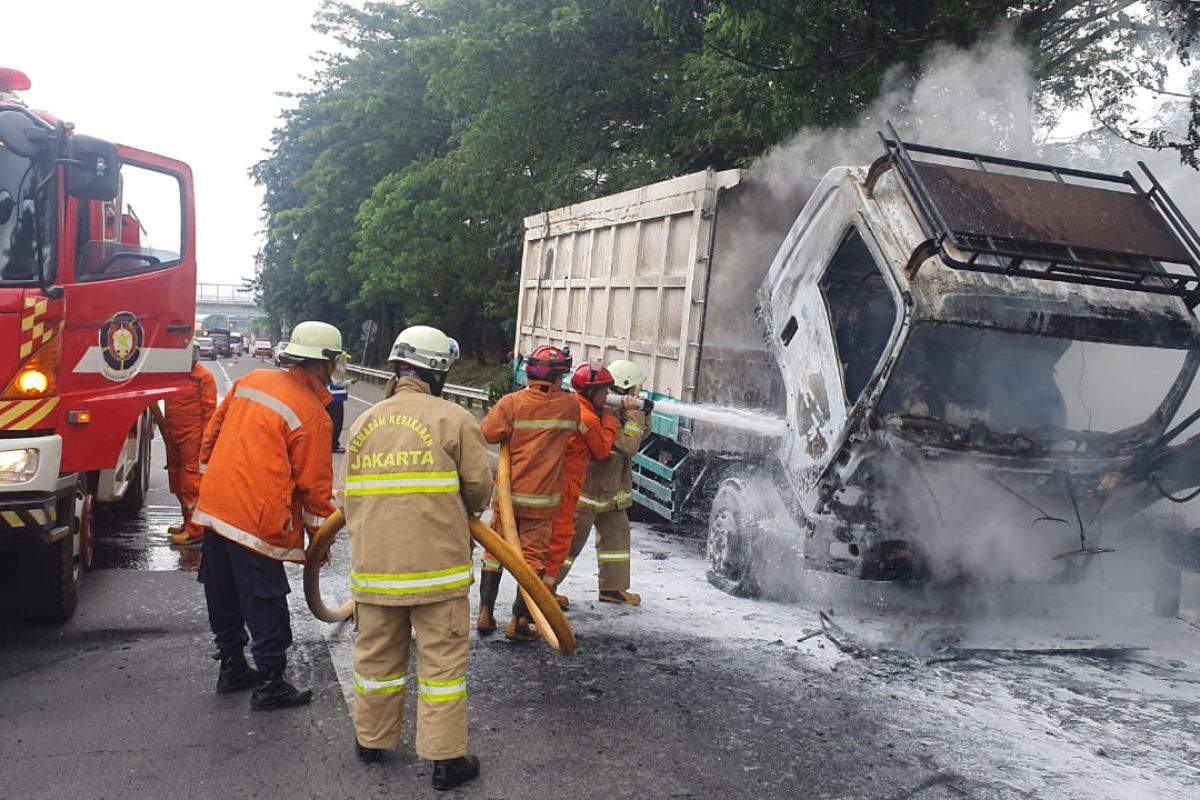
(980, 99)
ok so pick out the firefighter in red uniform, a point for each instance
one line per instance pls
(183, 425)
(268, 477)
(594, 440)
(537, 422)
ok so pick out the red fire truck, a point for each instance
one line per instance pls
(97, 299)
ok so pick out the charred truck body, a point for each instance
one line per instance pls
(982, 364)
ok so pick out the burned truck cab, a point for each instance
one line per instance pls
(982, 357)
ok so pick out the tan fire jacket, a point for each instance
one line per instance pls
(415, 467)
(609, 483)
(538, 422)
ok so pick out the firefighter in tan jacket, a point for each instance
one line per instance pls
(607, 493)
(416, 467)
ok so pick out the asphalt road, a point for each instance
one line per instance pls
(693, 695)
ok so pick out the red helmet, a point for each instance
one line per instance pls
(548, 363)
(592, 375)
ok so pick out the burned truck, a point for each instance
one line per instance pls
(984, 364)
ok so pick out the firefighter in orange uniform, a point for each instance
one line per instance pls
(537, 422)
(183, 425)
(607, 493)
(417, 466)
(594, 440)
(268, 477)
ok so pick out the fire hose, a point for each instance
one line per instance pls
(551, 622)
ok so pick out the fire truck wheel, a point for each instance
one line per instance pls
(129, 506)
(52, 581)
(733, 528)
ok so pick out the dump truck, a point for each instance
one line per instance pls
(983, 363)
(97, 298)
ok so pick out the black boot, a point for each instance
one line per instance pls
(274, 691)
(367, 755)
(489, 587)
(454, 772)
(235, 675)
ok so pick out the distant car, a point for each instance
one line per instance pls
(207, 349)
(278, 352)
(263, 349)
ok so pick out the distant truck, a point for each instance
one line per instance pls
(97, 302)
(982, 362)
(221, 341)
(236, 345)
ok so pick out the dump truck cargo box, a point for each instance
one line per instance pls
(664, 275)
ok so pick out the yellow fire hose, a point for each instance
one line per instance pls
(314, 559)
(551, 622)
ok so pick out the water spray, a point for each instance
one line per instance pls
(757, 422)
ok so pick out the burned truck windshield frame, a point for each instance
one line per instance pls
(27, 202)
(980, 385)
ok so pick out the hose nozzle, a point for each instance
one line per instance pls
(617, 401)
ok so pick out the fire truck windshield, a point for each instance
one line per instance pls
(26, 220)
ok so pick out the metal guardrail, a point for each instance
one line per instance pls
(467, 396)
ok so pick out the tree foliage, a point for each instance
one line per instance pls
(396, 187)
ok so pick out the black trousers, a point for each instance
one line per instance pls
(246, 590)
(337, 415)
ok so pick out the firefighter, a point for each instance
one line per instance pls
(593, 441)
(607, 493)
(183, 423)
(538, 422)
(417, 466)
(268, 477)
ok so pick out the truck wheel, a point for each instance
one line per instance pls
(732, 533)
(130, 505)
(52, 582)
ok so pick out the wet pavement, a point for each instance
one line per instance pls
(693, 695)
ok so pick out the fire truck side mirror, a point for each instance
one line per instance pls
(93, 169)
(23, 136)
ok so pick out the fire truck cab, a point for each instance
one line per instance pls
(97, 298)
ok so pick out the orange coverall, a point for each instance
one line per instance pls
(538, 422)
(186, 417)
(593, 440)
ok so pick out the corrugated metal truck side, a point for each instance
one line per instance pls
(665, 275)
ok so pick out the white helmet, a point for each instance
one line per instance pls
(424, 347)
(626, 374)
(314, 340)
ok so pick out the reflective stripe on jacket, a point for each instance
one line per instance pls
(609, 482)
(415, 466)
(266, 463)
(538, 422)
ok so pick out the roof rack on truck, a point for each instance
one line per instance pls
(1006, 216)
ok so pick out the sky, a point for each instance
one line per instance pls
(193, 81)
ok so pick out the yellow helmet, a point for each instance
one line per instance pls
(626, 374)
(424, 347)
(314, 340)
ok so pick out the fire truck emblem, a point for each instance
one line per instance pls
(121, 341)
